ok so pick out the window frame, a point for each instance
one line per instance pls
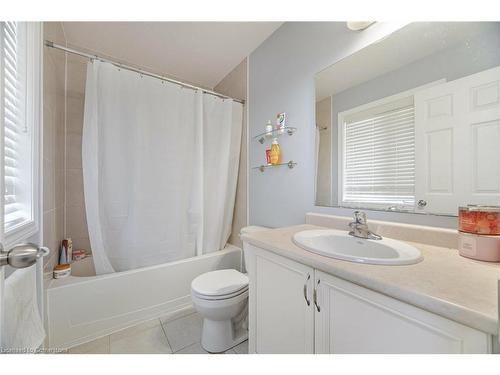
(387, 103)
(34, 72)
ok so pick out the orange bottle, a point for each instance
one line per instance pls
(275, 152)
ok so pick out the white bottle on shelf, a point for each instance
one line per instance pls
(269, 128)
(281, 122)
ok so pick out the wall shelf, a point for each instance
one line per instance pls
(274, 134)
(263, 167)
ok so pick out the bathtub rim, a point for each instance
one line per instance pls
(72, 280)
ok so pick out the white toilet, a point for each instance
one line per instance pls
(221, 298)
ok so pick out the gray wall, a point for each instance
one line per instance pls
(479, 53)
(281, 78)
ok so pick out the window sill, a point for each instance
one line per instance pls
(371, 206)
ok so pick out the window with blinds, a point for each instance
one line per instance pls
(18, 166)
(379, 159)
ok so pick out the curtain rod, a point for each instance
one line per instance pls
(51, 44)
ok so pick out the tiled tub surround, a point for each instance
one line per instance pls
(54, 112)
(64, 95)
(75, 216)
(444, 283)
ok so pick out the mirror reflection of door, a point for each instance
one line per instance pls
(412, 123)
(324, 152)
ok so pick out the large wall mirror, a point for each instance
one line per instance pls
(412, 123)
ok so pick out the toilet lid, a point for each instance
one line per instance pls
(218, 283)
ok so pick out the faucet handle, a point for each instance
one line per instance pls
(359, 217)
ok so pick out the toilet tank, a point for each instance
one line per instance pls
(247, 230)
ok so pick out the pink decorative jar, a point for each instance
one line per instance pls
(479, 219)
(480, 247)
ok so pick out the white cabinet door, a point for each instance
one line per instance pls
(353, 319)
(457, 132)
(281, 311)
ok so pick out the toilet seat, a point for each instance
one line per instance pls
(217, 298)
(220, 284)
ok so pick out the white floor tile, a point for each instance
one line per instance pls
(137, 328)
(241, 348)
(188, 310)
(197, 349)
(183, 332)
(146, 341)
(99, 346)
(193, 349)
(181, 336)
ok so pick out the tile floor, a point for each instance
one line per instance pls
(157, 336)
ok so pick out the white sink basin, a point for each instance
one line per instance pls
(340, 245)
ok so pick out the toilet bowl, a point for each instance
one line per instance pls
(221, 298)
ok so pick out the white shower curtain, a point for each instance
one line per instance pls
(160, 165)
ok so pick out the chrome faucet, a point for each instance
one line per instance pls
(359, 228)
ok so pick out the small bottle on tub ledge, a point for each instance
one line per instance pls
(62, 270)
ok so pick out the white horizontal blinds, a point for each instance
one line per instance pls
(14, 59)
(379, 159)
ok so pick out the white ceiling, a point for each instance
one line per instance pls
(202, 53)
(404, 46)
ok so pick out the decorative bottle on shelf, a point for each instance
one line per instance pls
(275, 152)
(281, 122)
(268, 156)
(269, 128)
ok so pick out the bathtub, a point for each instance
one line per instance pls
(83, 307)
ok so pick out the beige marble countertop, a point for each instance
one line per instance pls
(457, 288)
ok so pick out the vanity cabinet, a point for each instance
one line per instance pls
(294, 308)
(281, 316)
(353, 319)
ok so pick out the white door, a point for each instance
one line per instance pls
(282, 315)
(2, 268)
(457, 127)
(20, 124)
(353, 319)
